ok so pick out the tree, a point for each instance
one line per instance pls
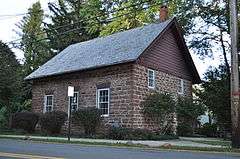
(73, 22)
(210, 29)
(34, 44)
(133, 15)
(9, 79)
(215, 94)
(128, 14)
(188, 111)
(205, 23)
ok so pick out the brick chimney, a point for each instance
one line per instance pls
(163, 14)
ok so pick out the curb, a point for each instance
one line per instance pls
(128, 146)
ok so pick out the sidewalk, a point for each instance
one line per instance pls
(179, 142)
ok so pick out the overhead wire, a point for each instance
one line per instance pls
(106, 21)
(88, 19)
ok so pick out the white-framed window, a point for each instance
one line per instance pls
(48, 103)
(103, 101)
(151, 78)
(180, 86)
(73, 101)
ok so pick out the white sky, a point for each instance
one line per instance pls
(7, 25)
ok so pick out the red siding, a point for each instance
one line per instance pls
(165, 55)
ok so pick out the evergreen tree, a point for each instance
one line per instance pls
(9, 79)
(34, 44)
(74, 21)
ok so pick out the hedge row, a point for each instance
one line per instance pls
(50, 122)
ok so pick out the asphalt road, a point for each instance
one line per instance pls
(10, 149)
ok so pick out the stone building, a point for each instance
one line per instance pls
(115, 73)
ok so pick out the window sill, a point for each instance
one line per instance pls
(180, 93)
(151, 87)
(106, 115)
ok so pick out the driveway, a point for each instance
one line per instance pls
(36, 150)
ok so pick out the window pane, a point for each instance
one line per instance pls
(48, 103)
(48, 108)
(151, 82)
(104, 111)
(74, 99)
(151, 78)
(74, 107)
(180, 86)
(49, 100)
(150, 73)
(103, 96)
(103, 104)
(74, 102)
(104, 108)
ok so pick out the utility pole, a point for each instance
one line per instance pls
(235, 107)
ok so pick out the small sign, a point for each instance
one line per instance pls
(70, 91)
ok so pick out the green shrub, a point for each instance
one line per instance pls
(3, 118)
(188, 111)
(89, 118)
(209, 130)
(119, 133)
(24, 120)
(141, 134)
(159, 108)
(157, 105)
(52, 122)
(184, 129)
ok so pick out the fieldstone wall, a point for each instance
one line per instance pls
(118, 78)
(164, 83)
(128, 88)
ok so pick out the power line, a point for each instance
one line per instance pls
(20, 14)
(107, 21)
(88, 19)
(7, 16)
(14, 15)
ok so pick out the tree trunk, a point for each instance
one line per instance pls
(224, 54)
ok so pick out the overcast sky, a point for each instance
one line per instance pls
(13, 7)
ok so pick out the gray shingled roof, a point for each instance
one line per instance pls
(114, 49)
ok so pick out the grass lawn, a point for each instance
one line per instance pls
(217, 142)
